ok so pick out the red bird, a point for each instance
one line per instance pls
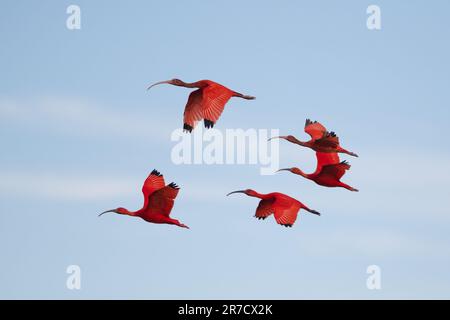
(207, 102)
(282, 206)
(328, 172)
(158, 201)
(321, 139)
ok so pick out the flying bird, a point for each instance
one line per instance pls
(329, 171)
(207, 102)
(284, 208)
(321, 139)
(158, 201)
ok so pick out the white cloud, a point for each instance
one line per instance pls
(65, 187)
(80, 118)
(372, 242)
(79, 187)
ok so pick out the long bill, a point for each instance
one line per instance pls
(279, 137)
(112, 210)
(155, 84)
(238, 191)
(284, 169)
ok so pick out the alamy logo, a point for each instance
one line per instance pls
(374, 280)
(74, 279)
(73, 22)
(235, 146)
(374, 19)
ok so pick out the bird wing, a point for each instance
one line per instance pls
(162, 200)
(286, 214)
(315, 129)
(326, 158)
(193, 111)
(335, 170)
(328, 140)
(215, 97)
(264, 209)
(154, 182)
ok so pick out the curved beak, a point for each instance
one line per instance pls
(112, 210)
(279, 137)
(284, 169)
(238, 191)
(160, 82)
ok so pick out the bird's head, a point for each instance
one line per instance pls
(174, 82)
(248, 192)
(118, 211)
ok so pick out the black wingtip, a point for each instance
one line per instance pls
(174, 185)
(260, 218)
(187, 128)
(208, 123)
(156, 173)
(309, 121)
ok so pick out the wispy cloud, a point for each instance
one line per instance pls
(79, 187)
(77, 117)
(64, 187)
(374, 242)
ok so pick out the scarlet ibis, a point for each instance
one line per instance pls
(282, 206)
(328, 172)
(207, 102)
(158, 201)
(321, 139)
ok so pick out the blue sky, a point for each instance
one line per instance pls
(79, 134)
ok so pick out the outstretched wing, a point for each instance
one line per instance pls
(328, 140)
(154, 182)
(162, 201)
(286, 215)
(326, 158)
(193, 111)
(335, 170)
(264, 209)
(215, 97)
(315, 129)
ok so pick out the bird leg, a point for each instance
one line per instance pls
(346, 186)
(311, 211)
(243, 96)
(178, 223)
(348, 152)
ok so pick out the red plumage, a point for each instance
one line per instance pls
(328, 173)
(206, 103)
(284, 208)
(321, 139)
(159, 199)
